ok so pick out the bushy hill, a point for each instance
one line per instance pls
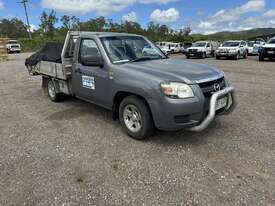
(245, 34)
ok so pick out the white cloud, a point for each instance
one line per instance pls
(85, 6)
(33, 27)
(165, 16)
(1, 5)
(270, 13)
(98, 6)
(131, 17)
(156, 1)
(232, 19)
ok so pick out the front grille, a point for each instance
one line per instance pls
(14, 46)
(193, 50)
(182, 119)
(213, 86)
(270, 49)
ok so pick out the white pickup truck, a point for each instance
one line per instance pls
(232, 49)
(201, 49)
(13, 46)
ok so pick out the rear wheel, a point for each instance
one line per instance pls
(53, 95)
(135, 118)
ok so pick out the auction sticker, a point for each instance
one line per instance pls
(88, 82)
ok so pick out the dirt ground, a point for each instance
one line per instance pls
(73, 153)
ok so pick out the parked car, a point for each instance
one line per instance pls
(13, 46)
(232, 49)
(184, 47)
(143, 91)
(201, 49)
(253, 46)
(175, 48)
(267, 50)
(165, 49)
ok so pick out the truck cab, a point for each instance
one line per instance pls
(144, 90)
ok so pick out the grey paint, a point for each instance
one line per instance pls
(144, 78)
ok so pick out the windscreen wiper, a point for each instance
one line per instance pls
(144, 59)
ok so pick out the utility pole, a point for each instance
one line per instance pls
(27, 17)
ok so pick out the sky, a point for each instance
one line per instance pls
(203, 16)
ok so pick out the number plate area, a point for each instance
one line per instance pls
(221, 103)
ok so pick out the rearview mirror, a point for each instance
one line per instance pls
(92, 60)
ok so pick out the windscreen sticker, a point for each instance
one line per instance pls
(88, 82)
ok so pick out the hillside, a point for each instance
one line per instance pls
(245, 34)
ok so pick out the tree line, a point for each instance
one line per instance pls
(48, 29)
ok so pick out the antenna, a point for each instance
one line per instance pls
(27, 17)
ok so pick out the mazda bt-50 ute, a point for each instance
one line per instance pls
(133, 78)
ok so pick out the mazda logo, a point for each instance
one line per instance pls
(217, 87)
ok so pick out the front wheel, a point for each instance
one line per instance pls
(245, 55)
(237, 56)
(261, 58)
(135, 118)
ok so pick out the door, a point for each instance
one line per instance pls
(91, 81)
(243, 48)
(208, 49)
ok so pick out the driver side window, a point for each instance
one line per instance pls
(88, 47)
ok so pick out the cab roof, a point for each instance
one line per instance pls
(101, 34)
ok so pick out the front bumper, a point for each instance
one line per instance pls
(14, 49)
(194, 54)
(228, 91)
(226, 54)
(176, 114)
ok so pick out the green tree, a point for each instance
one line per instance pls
(13, 28)
(47, 23)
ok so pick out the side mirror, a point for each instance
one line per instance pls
(92, 60)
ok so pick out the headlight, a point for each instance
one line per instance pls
(176, 90)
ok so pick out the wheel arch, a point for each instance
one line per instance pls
(118, 98)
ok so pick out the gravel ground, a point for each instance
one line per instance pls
(73, 153)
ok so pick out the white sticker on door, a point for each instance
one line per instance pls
(88, 82)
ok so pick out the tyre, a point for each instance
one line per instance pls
(135, 118)
(261, 58)
(53, 95)
(245, 55)
(187, 57)
(237, 56)
(203, 56)
(217, 57)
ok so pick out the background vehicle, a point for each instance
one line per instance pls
(13, 46)
(267, 50)
(143, 91)
(253, 46)
(175, 47)
(164, 47)
(184, 47)
(201, 49)
(232, 49)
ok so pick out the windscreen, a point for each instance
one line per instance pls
(123, 49)
(13, 42)
(199, 44)
(231, 44)
(271, 41)
(251, 44)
